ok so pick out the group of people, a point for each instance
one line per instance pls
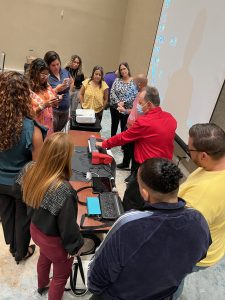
(168, 231)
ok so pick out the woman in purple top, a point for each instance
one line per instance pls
(109, 78)
(61, 81)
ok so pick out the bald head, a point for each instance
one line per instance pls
(141, 81)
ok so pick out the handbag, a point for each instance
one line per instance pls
(78, 266)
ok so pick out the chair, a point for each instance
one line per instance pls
(2, 61)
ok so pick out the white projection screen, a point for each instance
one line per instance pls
(188, 60)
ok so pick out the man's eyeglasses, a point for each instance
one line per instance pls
(195, 150)
(192, 150)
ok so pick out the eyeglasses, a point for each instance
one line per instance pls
(209, 153)
(192, 150)
(44, 75)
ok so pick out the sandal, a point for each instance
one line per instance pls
(30, 252)
(44, 290)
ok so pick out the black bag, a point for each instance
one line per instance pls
(77, 265)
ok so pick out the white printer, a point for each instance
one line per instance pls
(85, 116)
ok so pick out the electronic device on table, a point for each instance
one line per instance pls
(101, 185)
(85, 116)
(108, 206)
(93, 206)
(98, 155)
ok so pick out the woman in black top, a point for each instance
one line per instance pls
(52, 204)
(75, 68)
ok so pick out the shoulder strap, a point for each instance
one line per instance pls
(73, 278)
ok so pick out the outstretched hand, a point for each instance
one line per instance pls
(98, 144)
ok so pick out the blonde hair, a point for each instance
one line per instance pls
(51, 169)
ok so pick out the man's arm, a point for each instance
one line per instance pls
(115, 251)
(128, 136)
(106, 265)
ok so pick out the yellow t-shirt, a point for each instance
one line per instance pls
(93, 95)
(205, 191)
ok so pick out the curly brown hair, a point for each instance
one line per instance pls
(15, 105)
(37, 66)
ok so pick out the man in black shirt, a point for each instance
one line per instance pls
(147, 253)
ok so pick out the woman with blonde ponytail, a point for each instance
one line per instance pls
(52, 204)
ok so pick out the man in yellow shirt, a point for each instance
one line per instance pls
(204, 189)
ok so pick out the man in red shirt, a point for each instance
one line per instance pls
(128, 150)
(153, 136)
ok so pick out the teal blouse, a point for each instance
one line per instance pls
(14, 159)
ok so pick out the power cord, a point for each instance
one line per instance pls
(81, 189)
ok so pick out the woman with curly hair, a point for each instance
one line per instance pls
(74, 66)
(42, 94)
(20, 142)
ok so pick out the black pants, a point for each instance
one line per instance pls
(128, 155)
(117, 117)
(60, 118)
(15, 222)
(132, 198)
(99, 115)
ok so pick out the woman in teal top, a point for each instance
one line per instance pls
(20, 142)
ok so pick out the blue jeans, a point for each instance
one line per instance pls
(179, 291)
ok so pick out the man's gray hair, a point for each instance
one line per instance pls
(152, 95)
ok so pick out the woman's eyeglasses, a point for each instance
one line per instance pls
(43, 75)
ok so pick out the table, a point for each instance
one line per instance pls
(80, 138)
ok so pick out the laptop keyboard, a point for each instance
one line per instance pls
(111, 206)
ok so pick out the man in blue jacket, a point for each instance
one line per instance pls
(147, 253)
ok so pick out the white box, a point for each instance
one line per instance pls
(85, 116)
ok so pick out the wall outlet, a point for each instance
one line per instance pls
(187, 158)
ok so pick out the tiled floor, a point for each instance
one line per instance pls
(18, 282)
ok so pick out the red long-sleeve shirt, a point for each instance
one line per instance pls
(153, 136)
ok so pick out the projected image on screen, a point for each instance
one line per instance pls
(187, 64)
